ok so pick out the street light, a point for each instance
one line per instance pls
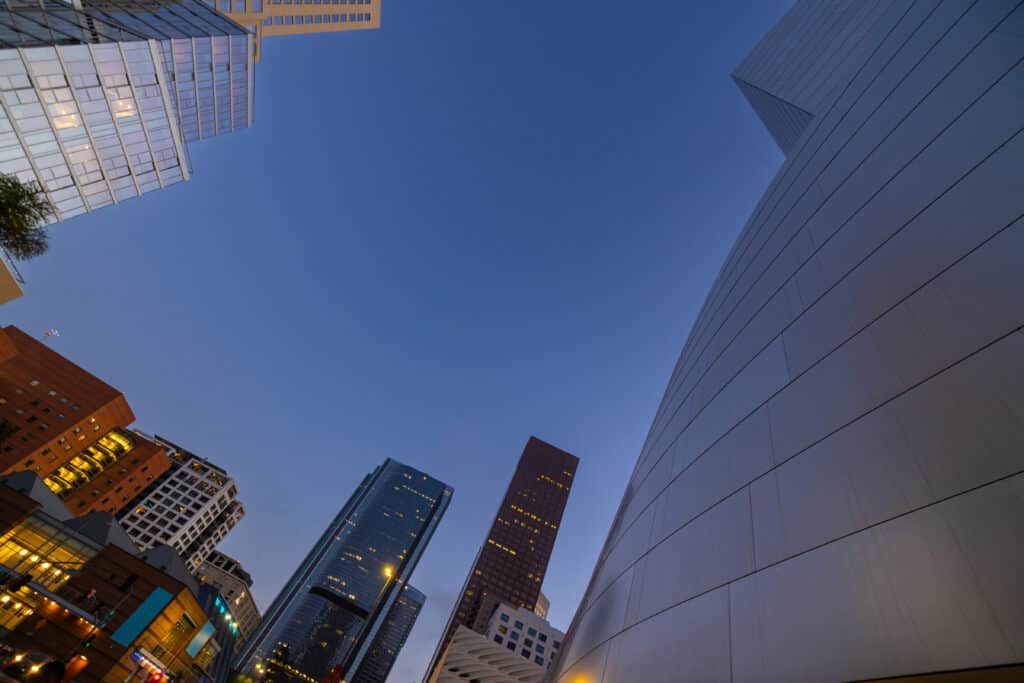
(388, 571)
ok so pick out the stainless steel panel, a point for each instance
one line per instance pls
(743, 455)
(887, 542)
(601, 620)
(686, 643)
(712, 550)
(933, 590)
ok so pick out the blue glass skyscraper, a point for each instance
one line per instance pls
(330, 610)
(388, 642)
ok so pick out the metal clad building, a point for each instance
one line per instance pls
(832, 487)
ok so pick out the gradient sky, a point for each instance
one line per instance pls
(484, 221)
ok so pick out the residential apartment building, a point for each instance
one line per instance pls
(298, 17)
(99, 98)
(328, 614)
(391, 637)
(235, 585)
(191, 507)
(831, 488)
(70, 428)
(511, 564)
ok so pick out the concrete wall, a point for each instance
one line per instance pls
(832, 488)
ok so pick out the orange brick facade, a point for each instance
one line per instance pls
(116, 487)
(53, 411)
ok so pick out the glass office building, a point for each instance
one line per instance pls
(98, 99)
(391, 636)
(329, 612)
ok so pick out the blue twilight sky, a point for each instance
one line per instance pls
(484, 221)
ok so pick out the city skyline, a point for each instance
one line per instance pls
(205, 272)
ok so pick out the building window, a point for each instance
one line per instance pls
(539, 660)
(511, 646)
(519, 625)
(531, 631)
(543, 637)
(504, 617)
(528, 643)
(514, 635)
(540, 649)
(524, 652)
(498, 639)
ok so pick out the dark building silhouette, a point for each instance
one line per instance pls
(329, 612)
(391, 637)
(512, 561)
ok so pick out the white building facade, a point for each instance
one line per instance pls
(191, 507)
(518, 647)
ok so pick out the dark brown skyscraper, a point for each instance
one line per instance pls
(511, 564)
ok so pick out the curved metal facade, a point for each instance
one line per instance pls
(832, 487)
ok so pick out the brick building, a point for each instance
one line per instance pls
(68, 427)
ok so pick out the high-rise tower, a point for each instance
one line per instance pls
(298, 17)
(99, 98)
(328, 613)
(511, 564)
(387, 644)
